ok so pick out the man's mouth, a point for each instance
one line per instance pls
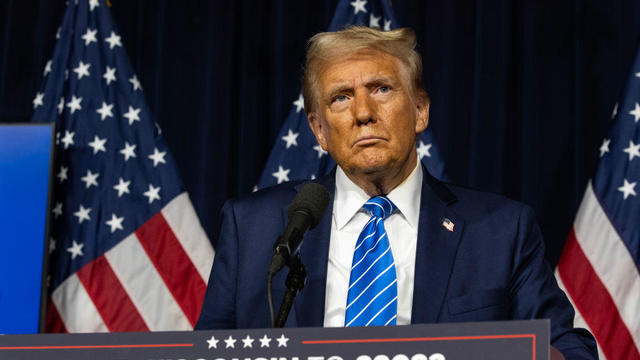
(367, 140)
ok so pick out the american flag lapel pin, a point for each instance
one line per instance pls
(447, 224)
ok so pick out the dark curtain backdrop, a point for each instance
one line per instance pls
(522, 91)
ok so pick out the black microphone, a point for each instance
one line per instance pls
(305, 211)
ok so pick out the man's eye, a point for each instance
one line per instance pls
(384, 89)
(340, 98)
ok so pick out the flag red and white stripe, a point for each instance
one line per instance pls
(153, 280)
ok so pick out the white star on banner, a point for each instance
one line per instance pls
(264, 341)
(37, 101)
(47, 68)
(74, 104)
(291, 138)
(633, 150)
(423, 150)
(604, 148)
(213, 342)
(61, 106)
(627, 189)
(82, 214)
(358, 5)
(113, 40)
(128, 151)
(282, 174)
(62, 175)
(247, 342)
(82, 69)
(374, 21)
(67, 140)
(282, 341)
(122, 187)
(135, 82)
(90, 36)
(132, 115)
(109, 75)
(636, 112)
(299, 103)
(90, 179)
(320, 151)
(57, 210)
(58, 32)
(75, 250)
(387, 25)
(98, 144)
(152, 193)
(615, 111)
(157, 157)
(93, 4)
(52, 245)
(115, 223)
(105, 111)
(230, 342)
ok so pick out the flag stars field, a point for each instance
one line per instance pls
(113, 40)
(157, 157)
(109, 75)
(89, 37)
(67, 140)
(282, 175)
(291, 138)
(122, 187)
(129, 151)
(75, 250)
(90, 179)
(633, 150)
(82, 214)
(132, 115)
(627, 189)
(62, 174)
(636, 113)
(153, 193)
(105, 111)
(115, 223)
(82, 70)
(74, 104)
(98, 144)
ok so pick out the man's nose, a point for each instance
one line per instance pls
(362, 107)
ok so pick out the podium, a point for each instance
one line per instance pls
(513, 340)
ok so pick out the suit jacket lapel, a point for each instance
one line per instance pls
(309, 304)
(435, 251)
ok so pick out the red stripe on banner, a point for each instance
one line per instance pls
(53, 321)
(594, 302)
(110, 298)
(173, 264)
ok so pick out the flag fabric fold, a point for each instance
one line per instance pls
(296, 155)
(599, 265)
(127, 251)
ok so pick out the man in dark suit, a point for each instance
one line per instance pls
(395, 246)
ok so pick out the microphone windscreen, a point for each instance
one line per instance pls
(312, 199)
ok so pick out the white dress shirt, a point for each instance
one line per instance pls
(348, 221)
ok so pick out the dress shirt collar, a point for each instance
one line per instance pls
(349, 198)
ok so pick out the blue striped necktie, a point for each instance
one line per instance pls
(373, 286)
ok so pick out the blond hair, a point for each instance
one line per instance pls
(328, 46)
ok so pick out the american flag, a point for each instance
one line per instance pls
(296, 154)
(127, 252)
(599, 264)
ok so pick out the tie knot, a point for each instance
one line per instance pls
(379, 206)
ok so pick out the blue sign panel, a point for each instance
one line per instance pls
(25, 158)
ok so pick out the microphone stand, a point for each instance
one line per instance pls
(294, 282)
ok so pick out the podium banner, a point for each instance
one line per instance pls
(514, 340)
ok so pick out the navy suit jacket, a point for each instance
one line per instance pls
(490, 267)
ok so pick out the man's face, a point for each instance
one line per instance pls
(367, 117)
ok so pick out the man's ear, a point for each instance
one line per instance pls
(316, 125)
(422, 106)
